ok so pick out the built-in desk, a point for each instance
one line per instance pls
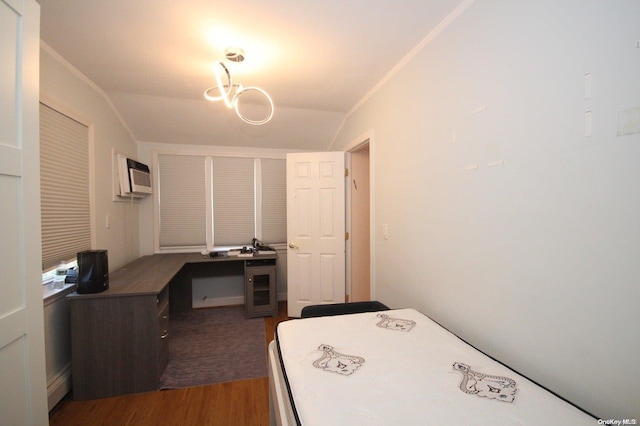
(120, 337)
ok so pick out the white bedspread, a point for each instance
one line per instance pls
(400, 368)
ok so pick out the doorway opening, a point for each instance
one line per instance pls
(359, 282)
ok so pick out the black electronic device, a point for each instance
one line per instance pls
(93, 271)
(218, 254)
(259, 245)
(72, 276)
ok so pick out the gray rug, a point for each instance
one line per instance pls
(213, 346)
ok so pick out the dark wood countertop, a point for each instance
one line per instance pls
(150, 274)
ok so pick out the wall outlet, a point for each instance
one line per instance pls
(629, 122)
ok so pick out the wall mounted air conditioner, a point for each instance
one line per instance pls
(134, 178)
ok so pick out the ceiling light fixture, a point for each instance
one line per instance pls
(229, 92)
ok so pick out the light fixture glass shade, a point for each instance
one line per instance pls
(223, 90)
(264, 94)
(230, 93)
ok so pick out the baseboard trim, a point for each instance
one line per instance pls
(58, 386)
(218, 301)
(226, 301)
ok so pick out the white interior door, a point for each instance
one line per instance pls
(315, 229)
(23, 390)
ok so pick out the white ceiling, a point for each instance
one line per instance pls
(316, 58)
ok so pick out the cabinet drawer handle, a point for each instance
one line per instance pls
(165, 334)
(165, 316)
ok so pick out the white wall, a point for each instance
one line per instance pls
(534, 261)
(67, 87)
(64, 88)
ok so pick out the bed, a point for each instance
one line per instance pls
(398, 367)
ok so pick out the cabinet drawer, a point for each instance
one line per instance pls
(163, 339)
(163, 298)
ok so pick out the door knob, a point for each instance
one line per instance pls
(293, 246)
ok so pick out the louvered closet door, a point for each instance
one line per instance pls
(23, 396)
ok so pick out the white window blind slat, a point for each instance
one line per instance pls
(182, 201)
(233, 201)
(274, 201)
(64, 188)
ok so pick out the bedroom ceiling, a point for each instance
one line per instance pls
(317, 59)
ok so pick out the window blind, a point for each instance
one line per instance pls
(233, 201)
(182, 196)
(206, 200)
(64, 187)
(274, 201)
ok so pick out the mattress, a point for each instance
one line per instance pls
(398, 367)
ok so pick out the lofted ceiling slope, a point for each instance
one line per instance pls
(317, 59)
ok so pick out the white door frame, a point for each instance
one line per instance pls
(354, 145)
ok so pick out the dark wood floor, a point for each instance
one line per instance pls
(235, 403)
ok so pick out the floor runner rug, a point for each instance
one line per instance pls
(217, 345)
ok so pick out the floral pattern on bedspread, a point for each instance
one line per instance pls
(396, 324)
(486, 386)
(336, 362)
